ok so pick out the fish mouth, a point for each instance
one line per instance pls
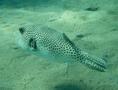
(20, 40)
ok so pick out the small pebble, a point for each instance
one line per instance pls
(92, 8)
(80, 35)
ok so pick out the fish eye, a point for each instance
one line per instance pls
(32, 43)
(22, 30)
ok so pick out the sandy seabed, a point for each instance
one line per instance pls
(95, 31)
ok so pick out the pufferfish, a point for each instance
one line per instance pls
(50, 43)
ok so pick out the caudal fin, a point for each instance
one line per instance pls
(93, 62)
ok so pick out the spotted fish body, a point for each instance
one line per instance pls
(53, 44)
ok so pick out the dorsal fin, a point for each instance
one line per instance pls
(67, 39)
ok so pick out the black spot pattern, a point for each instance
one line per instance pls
(57, 44)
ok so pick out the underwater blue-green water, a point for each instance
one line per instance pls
(76, 49)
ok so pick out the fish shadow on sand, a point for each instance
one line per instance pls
(66, 87)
